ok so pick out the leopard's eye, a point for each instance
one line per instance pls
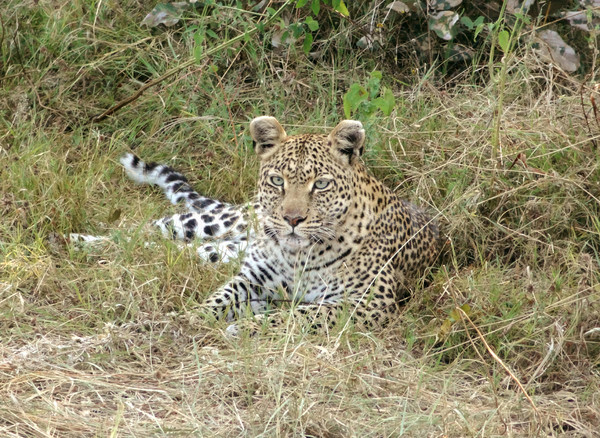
(277, 181)
(321, 184)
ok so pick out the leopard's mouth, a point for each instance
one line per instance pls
(291, 239)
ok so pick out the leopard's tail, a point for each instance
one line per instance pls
(175, 186)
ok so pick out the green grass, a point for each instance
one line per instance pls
(103, 340)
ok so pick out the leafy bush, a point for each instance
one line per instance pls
(426, 33)
(437, 32)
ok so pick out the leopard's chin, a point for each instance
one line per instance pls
(293, 242)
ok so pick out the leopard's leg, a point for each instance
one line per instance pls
(222, 251)
(358, 307)
(368, 302)
(86, 239)
(226, 223)
(218, 251)
(250, 291)
(79, 240)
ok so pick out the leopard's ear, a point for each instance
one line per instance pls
(267, 135)
(347, 141)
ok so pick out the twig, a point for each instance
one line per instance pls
(1, 37)
(593, 100)
(587, 123)
(496, 401)
(497, 359)
(187, 64)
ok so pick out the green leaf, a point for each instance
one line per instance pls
(296, 29)
(347, 109)
(316, 6)
(198, 53)
(301, 3)
(308, 40)
(503, 40)
(339, 6)
(386, 102)
(312, 23)
(114, 216)
(374, 83)
(455, 314)
(445, 328)
(376, 74)
(479, 27)
(467, 22)
(199, 37)
(453, 317)
(352, 99)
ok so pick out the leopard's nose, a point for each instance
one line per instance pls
(294, 220)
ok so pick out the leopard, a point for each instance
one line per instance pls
(322, 240)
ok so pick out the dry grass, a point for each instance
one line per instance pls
(100, 341)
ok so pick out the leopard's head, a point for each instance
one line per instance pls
(306, 185)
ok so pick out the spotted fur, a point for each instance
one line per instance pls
(330, 238)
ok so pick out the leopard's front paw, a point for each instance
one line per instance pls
(233, 331)
(251, 326)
